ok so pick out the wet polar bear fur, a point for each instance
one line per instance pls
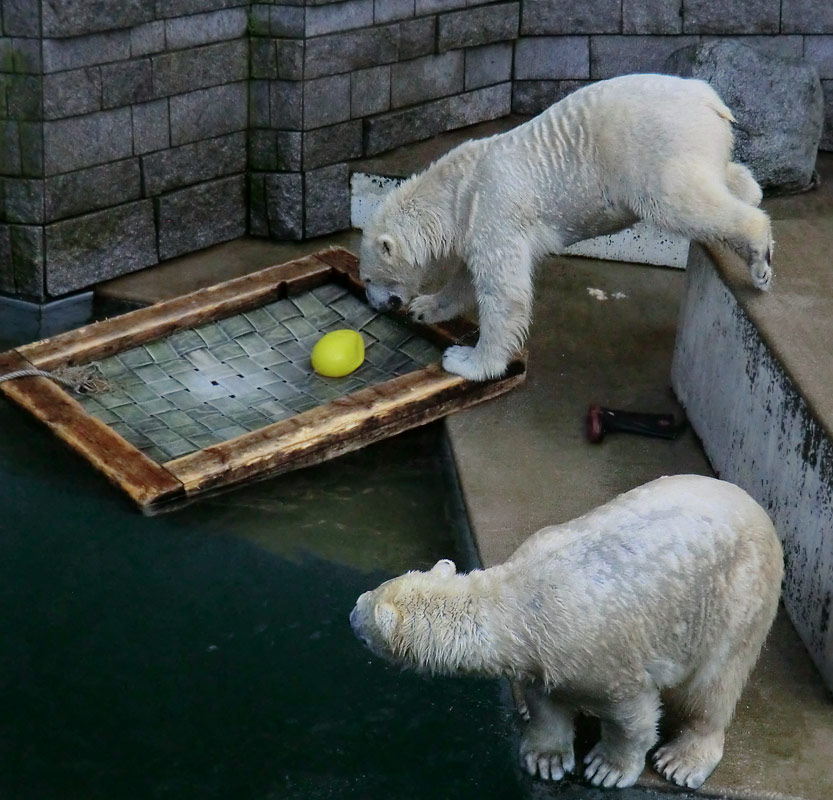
(660, 598)
(638, 147)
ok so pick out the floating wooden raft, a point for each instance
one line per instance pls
(214, 388)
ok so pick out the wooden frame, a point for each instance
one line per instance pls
(345, 424)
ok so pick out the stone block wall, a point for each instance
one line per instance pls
(124, 139)
(133, 131)
(564, 44)
(21, 148)
(334, 81)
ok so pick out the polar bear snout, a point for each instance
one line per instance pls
(356, 626)
(361, 629)
(384, 298)
(373, 624)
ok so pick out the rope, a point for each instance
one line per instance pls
(82, 380)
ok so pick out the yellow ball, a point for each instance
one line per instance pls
(338, 353)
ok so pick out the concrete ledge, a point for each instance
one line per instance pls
(367, 191)
(640, 244)
(523, 462)
(760, 430)
(39, 320)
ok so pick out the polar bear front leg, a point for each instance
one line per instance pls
(547, 742)
(629, 730)
(503, 288)
(456, 297)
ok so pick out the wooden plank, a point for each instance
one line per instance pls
(453, 331)
(12, 361)
(330, 449)
(343, 425)
(319, 434)
(342, 260)
(345, 270)
(144, 480)
(110, 336)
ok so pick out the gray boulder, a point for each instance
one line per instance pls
(778, 104)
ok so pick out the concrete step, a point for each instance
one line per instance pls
(372, 179)
(524, 462)
(755, 373)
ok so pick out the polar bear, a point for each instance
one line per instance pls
(637, 147)
(661, 597)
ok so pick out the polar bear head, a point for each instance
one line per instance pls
(424, 620)
(390, 277)
(406, 235)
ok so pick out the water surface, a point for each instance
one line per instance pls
(206, 653)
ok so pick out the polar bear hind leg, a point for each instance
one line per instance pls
(742, 185)
(706, 209)
(629, 731)
(547, 743)
(690, 757)
(702, 708)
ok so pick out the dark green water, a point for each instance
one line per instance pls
(207, 654)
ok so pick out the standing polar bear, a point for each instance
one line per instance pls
(664, 594)
(638, 147)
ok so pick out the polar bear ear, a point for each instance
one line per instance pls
(386, 618)
(445, 567)
(387, 247)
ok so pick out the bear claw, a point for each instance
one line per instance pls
(549, 766)
(762, 276)
(428, 309)
(689, 759)
(465, 361)
(600, 770)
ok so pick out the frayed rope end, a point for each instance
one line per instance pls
(85, 379)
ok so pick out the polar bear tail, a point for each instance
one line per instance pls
(722, 111)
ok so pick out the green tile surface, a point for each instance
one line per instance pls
(199, 387)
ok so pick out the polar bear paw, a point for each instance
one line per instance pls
(430, 308)
(690, 758)
(603, 767)
(761, 272)
(762, 276)
(549, 764)
(466, 361)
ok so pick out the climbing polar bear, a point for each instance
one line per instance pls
(663, 595)
(638, 147)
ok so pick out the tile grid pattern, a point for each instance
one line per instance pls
(206, 385)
